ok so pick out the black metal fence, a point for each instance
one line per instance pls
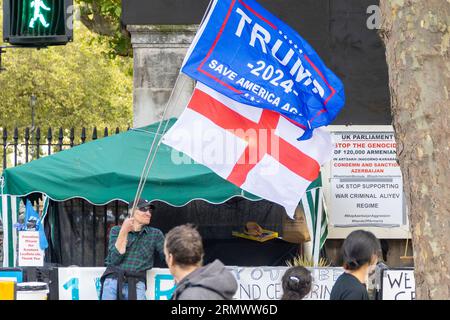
(19, 148)
(79, 229)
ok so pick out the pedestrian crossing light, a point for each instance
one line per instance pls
(37, 22)
(38, 15)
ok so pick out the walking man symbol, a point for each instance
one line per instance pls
(38, 5)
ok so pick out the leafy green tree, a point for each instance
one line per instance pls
(103, 18)
(75, 85)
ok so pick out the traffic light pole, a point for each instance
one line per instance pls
(2, 51)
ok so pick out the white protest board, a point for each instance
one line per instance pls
(30, 254)
(79, 283)
(398, 284)
(254, 283)
(365, 180)
(323, 281)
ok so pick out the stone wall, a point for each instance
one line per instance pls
(158, 55)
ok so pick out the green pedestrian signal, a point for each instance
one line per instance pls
(37, 22)
(38, 5)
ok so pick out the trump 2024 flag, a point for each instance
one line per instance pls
(248, 54)
(255, 149)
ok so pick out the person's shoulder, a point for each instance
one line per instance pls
(347, 287)
(199, 293)
(346, 277)
(154, 231)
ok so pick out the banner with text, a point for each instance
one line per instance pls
(254, 283)
(366, 181)
(251, 56)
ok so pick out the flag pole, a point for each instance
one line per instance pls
(308, 246)
(146, 170)
(318, 229)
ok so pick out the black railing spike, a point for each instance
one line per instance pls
(5, 137)
(49, 135)
(38, 139)
(72, 137)
(106, 132)
(83, 135)
(49, 140)
(60, 138)
(16, 143)
(27, 143)
(94, 134)
(38, 134)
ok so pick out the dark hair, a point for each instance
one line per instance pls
(359, 249)
(296, 283)
(185, 244)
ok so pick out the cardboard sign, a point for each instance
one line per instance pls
(398, 284)
(30, 254)
(254, 283)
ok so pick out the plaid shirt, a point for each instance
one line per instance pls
(140, 250)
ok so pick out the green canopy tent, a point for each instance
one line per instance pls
(109, 169)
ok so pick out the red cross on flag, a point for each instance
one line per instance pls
(255, 149)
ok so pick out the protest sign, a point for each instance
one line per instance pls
(398, 284)
(254, 283)
(30, 253)
(366, 181)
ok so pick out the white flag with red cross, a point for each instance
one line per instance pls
(255, 149)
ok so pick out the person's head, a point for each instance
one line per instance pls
(360, 248)
(296, 283)
(183, 248)
(143, 212)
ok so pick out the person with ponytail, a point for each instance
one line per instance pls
(360, 255)
(296, 283)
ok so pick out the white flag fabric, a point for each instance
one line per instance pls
(255, 149)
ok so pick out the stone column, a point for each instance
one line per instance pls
(158, 52)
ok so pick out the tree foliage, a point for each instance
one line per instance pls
(104, 18)
(75, 85)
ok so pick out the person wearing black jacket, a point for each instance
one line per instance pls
(360, 254)
(184, 253)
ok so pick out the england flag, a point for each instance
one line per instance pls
(255, 149)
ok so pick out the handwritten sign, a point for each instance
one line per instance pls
(30, 254)
(398, 285)
(254, 283)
